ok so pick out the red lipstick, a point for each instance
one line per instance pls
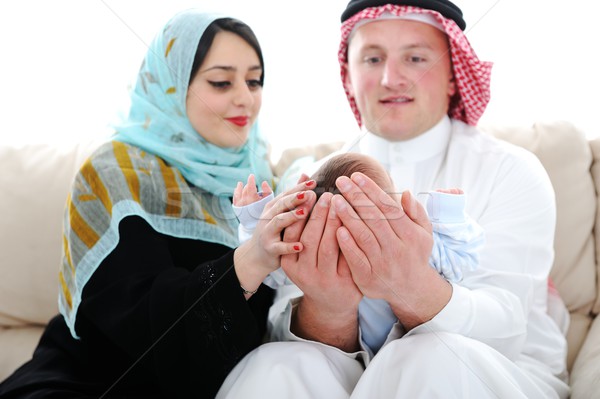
(238, 120)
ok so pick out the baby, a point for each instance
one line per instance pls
(457, 239)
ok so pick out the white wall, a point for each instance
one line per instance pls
(66, 64)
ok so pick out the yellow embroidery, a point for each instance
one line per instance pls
(65, 290)
(131, 177)
(83, 230)
(67, 253)
(208, 218)
(86, 197)
(98, 188)
(171, 90)
(169, 46)
(173, 207)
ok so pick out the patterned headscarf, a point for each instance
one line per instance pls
(471, 75)
(158, 122)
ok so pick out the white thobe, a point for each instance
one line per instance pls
(494, 338)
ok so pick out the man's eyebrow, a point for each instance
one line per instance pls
(411, 46)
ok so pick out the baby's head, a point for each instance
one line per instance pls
(346, 164)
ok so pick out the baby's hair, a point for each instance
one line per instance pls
(344, 165)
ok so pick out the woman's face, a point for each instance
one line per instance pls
(225, 96)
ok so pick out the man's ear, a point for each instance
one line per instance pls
(452, 87)
(348, 82)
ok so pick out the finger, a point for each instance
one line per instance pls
(329, 251)
(251, 180)
(361, 233)
(286, 202)
(266, 188)
(357, 261)
(379, 211)
(249, 191)
(313, 230)
(293, 232)
(237, 194)
(415, 211)
(286, 248)
(303, 177)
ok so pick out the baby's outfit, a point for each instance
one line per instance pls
(457, 241)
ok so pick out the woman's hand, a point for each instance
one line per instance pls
(261, 255)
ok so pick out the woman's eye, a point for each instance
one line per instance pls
(254, 83)
(220, 84)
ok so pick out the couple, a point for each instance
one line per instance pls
(158, 298)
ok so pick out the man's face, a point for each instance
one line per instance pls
(400, 74)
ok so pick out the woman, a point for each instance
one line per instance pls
(155, 300)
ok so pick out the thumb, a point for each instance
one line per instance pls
(415, 211)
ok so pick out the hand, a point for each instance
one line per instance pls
(260, 255)
(387, 246)
(246, 195)
(328, 310)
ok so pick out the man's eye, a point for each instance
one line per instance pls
(372, 60)
(416, 59)
(220, 85)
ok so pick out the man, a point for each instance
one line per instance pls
(417, 90)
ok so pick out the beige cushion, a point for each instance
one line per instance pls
(595, 146)
(34, 183)
(585, 377)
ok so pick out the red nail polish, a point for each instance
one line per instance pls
(310, 183)
(296, 247)
(300, 211)
(300, 195)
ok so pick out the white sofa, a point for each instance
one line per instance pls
(35, 180)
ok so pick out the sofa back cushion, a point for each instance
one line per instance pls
(34, 183)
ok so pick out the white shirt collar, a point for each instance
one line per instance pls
(425, 146)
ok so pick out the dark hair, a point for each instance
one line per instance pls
(229, 25)
(344, 165)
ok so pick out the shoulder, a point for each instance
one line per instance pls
(474, 145)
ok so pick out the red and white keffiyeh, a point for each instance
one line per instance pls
(471, 75)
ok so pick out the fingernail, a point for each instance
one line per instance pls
(300, 195)
(343, 183)
(300, 211)
(343, 234)
(296, 247)
(309, 183)
(359, 179)
(339, 202)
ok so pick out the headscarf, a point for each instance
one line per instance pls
(471, 75)
(157, 168)
(158, 122)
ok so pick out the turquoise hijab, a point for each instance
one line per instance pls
(158, 122)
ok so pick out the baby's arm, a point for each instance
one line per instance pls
(458, 239)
